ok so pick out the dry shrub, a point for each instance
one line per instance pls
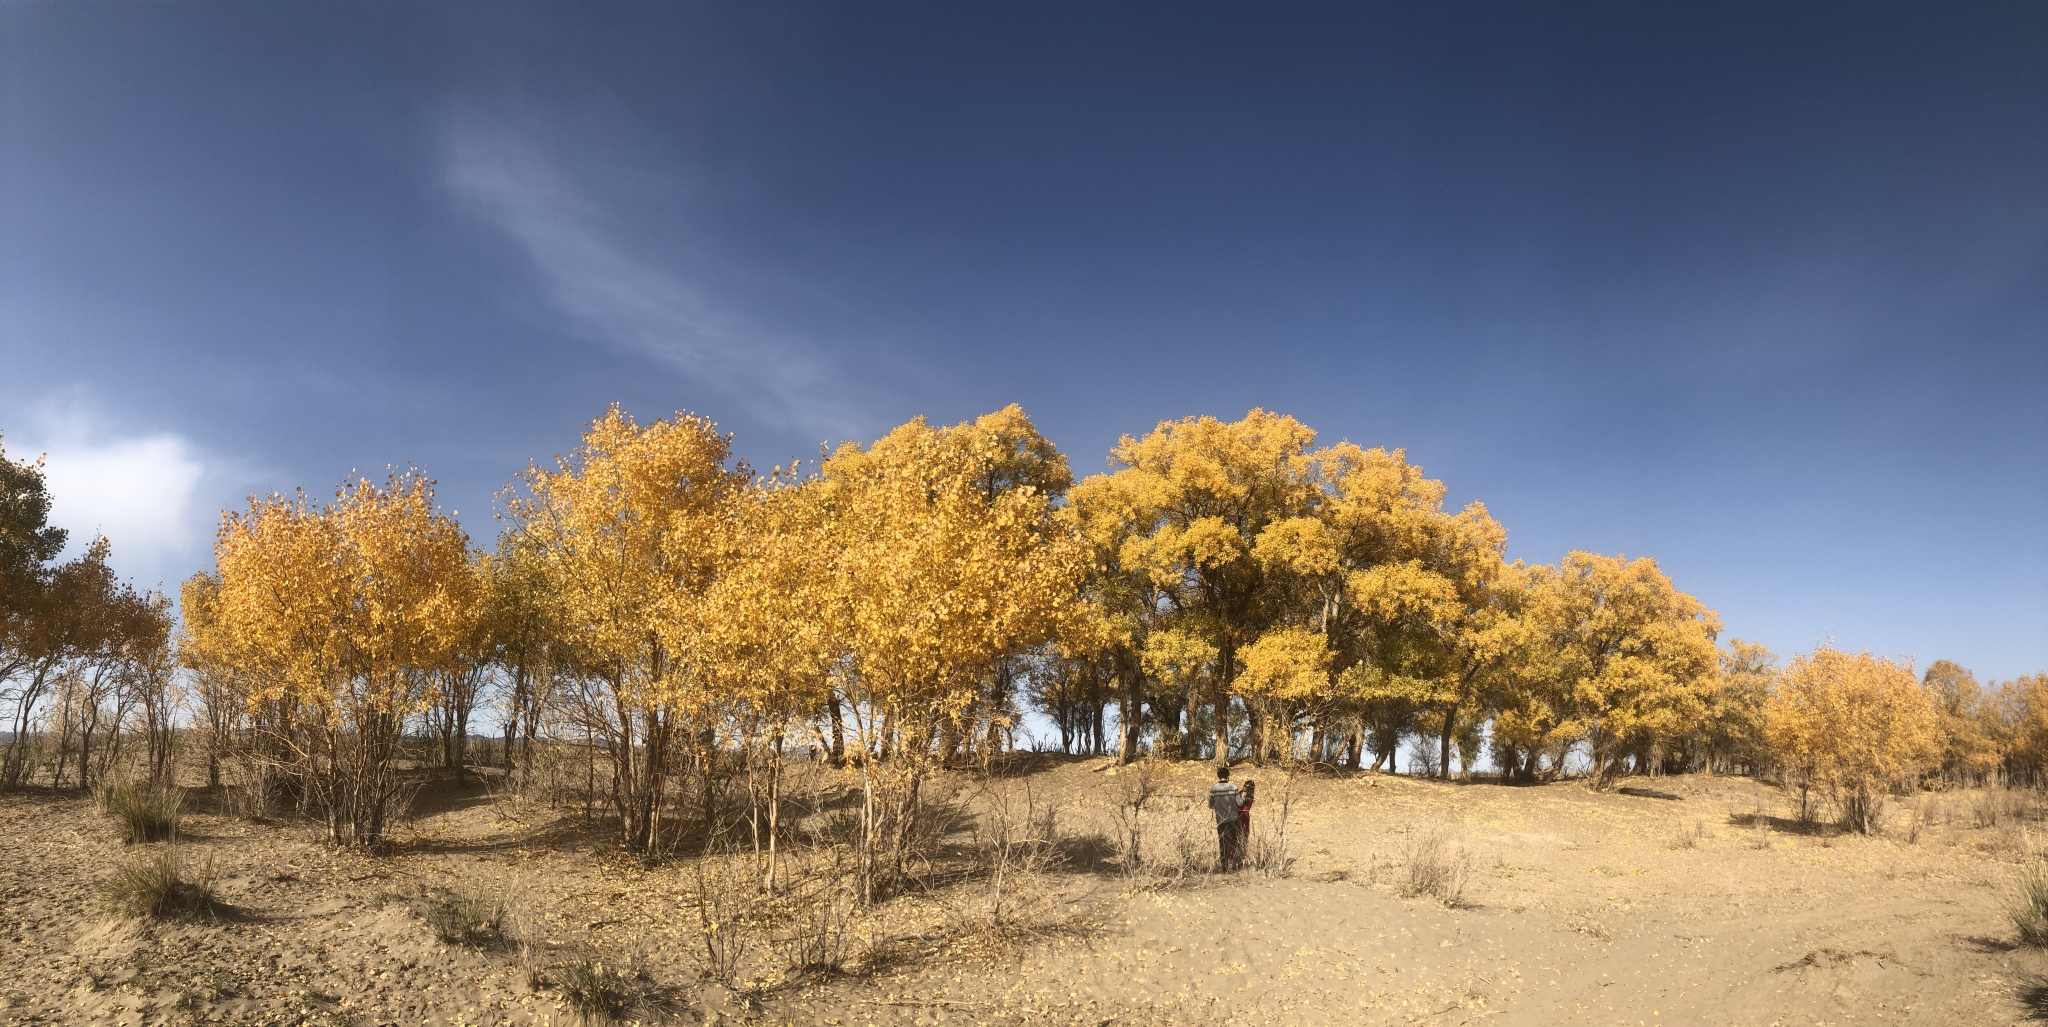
(2028, 906)
(472, 918)
(1996, 807)
(727, 900)
(1137, 785)
(815, 944)
(1988, 810)
(1016, 840)
(262, 788)
(1436, 866)
(813, 915)
(1937, 811)
(1689, 836)
(1183, 846)
(1266, 849)
(153, 885)
(145, 813)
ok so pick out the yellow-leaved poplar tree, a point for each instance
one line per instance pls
(946, 563)
(1184, 506)
(341, 615)
(1851, 727)
(632, 530)
(1632, 655)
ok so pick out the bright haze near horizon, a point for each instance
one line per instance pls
(1760, 290)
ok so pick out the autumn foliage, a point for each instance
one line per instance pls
(1852, 727)
(1224, 590)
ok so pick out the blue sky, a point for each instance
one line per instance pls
(1758, 290)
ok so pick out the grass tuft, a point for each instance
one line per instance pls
(603, 994)
(469, 918)
(2028, 907)
(153, 885)
(144, 813)
(1689, 835)
(1436, 867)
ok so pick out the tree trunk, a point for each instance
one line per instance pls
(1224, 677)
(1450, 728)
(838, 728)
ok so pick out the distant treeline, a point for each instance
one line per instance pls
(1228, 590)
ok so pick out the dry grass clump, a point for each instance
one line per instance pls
(602, 993)
(1760, 834)
(471, 918)
(1689, 836)
(2028, 906)
(145, 813)
(153, 885)
(1436, 867)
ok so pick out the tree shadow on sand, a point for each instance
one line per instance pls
(1787, 825)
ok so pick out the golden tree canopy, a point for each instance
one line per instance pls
(633, 529)
(948, 555)
(1852, 724)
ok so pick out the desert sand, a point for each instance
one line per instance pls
(1692, 900)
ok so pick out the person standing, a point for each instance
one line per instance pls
(1223, 797)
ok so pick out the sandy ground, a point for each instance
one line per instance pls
(1582, 907)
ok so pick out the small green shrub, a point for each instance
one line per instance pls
(153, 885)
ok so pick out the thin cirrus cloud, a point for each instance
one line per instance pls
(627, 300)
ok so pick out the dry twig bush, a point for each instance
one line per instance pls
(727, 889)
(814, 943)
(1436, 867)
(1183, 846)
(145, 813)
(153, 885)
(1137, 785)
(1760, 833)
(1266, 850)
(1016, 840)
(1907, 830)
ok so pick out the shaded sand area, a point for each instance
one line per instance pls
(1693, 901)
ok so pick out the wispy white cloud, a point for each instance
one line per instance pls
(629, 300)
(139, 490)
